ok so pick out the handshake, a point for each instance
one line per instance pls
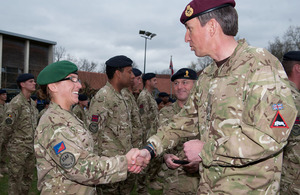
(137, 160)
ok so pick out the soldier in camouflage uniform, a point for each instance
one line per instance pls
(19, 124)
(109, 119)
(149, 115)
(137, 127)
(290, 183)
(66, 163)
(179, 179)
(241, 104)
(80, 109)
(3, 153)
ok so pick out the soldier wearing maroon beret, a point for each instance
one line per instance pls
(241, 107)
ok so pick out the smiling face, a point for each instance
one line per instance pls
(182, 88)
(65, 93)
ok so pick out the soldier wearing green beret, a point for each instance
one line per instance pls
(64, 148)
(18, 127)
(241, 106)
(290, 183)
(110, 119)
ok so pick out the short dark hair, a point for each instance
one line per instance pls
(110, 71)
(288, 66)
(227, 17)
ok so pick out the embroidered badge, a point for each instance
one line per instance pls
(67, 160)
(95, 118)
(279, 121)
(277, 107)
(58, 148)
(93, 127)
(186, 74)
(189, 11)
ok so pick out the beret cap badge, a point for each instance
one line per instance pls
(186, 74)
(189, 11)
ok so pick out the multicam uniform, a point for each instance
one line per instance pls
(66, 163)
(80, 113)
(149, 114)
(20, 123)
(245, 112)
(290, 183)
(177, 181)
(109, 120)
(3, 137)
(137, 127)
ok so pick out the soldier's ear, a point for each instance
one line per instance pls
(53, 87)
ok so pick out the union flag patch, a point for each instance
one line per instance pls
(58, 148)
(279, 121)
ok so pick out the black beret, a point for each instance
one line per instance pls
(184, 73)
(198, 7)
(24, 77)
(148, 76)
(119, 62)
(292, 56)
(163, 94)
(56, 71)
(158, 100)
(136, 72)
(82, 97)
(2, 91)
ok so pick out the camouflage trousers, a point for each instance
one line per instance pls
(177, 181)
(21, 168)
(124, 187)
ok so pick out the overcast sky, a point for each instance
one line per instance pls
(99, 29)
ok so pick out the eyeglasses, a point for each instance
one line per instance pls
(73, 79)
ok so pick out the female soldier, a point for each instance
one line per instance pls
(66, 163)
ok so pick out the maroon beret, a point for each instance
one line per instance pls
(198, 7)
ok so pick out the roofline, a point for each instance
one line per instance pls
(27, 37)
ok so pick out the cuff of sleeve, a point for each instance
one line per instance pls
(122, 161)
(157, 144)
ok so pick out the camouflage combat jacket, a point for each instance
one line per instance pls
(290, 178)
(80, 113)
(109, 121)
(149, 113)
(2, 112)
(137, 127)
(177, 179)
(244, 112)
(66, 163)
(20, 121)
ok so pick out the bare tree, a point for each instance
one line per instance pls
(290, 41)
(201, 63)
(59, 53)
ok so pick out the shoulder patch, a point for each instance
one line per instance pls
(67, 160)
(95, 118)
(58, 148)
(93, 127)
(279, 121)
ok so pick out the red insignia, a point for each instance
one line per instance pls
(297, 121)
(279, 121)
(141, 106)
(95, 118)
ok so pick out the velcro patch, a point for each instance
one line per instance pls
(277, 107)
(93, 127)
(95, 118)
(58, 148)
(279, 121)
(67, 160)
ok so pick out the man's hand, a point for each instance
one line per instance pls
(192, 149)
(137, 159)
(168, 158)
(192, 167)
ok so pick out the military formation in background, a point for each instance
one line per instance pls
(235, 129)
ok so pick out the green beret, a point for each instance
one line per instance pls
(55, 72)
